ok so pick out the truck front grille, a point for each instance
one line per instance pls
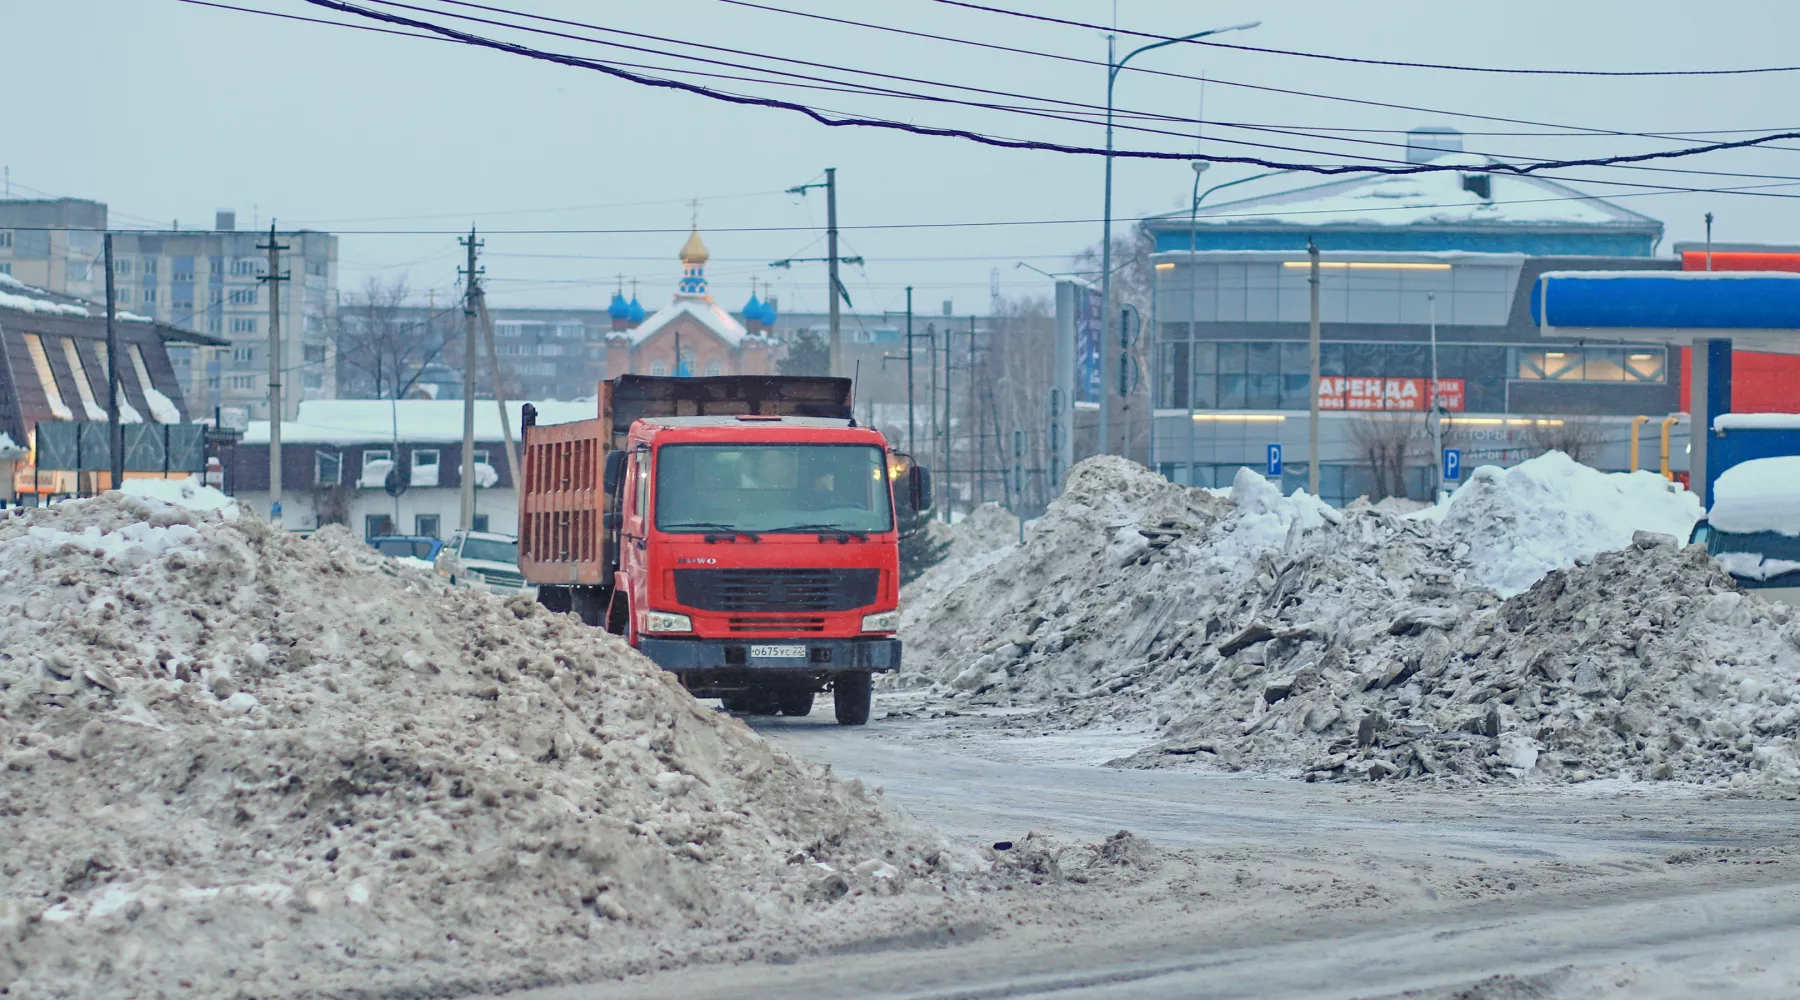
(777, 625)
(776, 589)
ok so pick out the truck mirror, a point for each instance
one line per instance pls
(615, 470)
(919, 485)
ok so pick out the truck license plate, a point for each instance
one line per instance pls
(778, 652)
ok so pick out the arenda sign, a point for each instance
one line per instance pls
(1354, 393)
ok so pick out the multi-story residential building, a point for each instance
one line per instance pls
(207, 281)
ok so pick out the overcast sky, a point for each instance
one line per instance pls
(169, 111)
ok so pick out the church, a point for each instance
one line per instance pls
(691, 335)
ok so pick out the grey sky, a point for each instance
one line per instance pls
(168, 111)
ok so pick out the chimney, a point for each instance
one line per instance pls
(1428, 142)
(225, 220)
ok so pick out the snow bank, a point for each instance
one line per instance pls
(1759, 495)
(1269, 632)
(190, 493)
(1552, 512)
(241, 763)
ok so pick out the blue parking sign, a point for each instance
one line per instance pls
(1274, 460)
(1452, 463)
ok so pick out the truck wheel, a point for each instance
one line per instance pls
(795, 701)
(851, 694)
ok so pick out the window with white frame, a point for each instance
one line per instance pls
(243, 296)
(5, 238)
(243, 354)
(424, 467)
(243, 324)
(659, 368)
(328, 468)
(243, 266)
(714, 369)
(243, 382)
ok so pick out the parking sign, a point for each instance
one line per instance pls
(1452, 463)
(1274, 460)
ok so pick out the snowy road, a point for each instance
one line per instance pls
(1279, 888)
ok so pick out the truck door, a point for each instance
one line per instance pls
(633, 552)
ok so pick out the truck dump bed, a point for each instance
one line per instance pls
(562, 503)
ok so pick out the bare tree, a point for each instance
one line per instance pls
(1386, 441)
(1577, 437)
(383, 348)
(1015, 374)
(1133, 283)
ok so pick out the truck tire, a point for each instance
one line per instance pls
(795, 701)
(851, 694)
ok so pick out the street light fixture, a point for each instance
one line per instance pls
(1112, 75)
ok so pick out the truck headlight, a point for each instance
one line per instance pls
(664, 621)
(886, 621)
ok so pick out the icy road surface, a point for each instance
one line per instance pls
(1276, 888)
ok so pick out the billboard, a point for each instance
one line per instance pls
(1089, 385)
(81, 446)
(1337, 392)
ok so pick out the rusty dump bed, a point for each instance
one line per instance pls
(561, 508)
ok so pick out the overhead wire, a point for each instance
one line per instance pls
(1743, 71)
(1012, 143)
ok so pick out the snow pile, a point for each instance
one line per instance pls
(1551, 512)
(7, 443)
(1275, 633)
(972, 544)
(1645, 664)
(1762, 494)
(242, 763)
(190, 493)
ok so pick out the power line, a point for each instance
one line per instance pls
(1672, 135)
(1092, 111)
(1010, 143)
(1376, 62)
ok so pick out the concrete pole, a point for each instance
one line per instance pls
(471, 288)
(910, 422)
(277, 405)
(1312, 419)
(115, 434)
(831, 253)
(1435, 414)
(1112, 74)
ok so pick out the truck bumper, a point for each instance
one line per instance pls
(822, 655)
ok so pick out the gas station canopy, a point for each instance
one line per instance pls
(1755, 310)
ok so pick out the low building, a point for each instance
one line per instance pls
(691, 335)
(53, 369)
(336, 459)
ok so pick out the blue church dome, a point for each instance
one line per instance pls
(768, 314)
(637, 311)
(753, 309)
(618, 308)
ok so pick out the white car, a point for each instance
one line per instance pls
(483, 559)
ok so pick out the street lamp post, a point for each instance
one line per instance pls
(1112, 75)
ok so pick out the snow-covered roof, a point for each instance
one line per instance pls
(437, 421)
(700, 308)
(20, 297)
(1756, 421)
(1424, 199)
(1762, 494)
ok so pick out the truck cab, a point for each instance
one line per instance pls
(748, 539)
(1753, 527)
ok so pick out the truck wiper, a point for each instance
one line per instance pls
(825, 529)
(711, 528)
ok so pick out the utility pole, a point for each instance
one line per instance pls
(949, 429)
(931, 408)
(1709, 218)
(1312, 420)
(471, 293)
(1437, 413)
(979, 456)
(832, 260)
(909, 374)
(276, 404)
(115, 434)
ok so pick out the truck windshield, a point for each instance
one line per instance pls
(491, 550)
(772, 488)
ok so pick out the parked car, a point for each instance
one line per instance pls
(414, 550)
(483, 559)
(1753, 529)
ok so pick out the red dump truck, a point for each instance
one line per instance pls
(742, 532)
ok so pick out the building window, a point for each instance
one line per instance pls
(5, 268)
(243, 354)
(659, 368)
(243, 296)
(328, 468)
(149, 266)
(314, 353)
(425, 525)
(149, 294)
(243, 324)
(242, 382)
(714, 369)
(5, 238)
(316, 268)
(242, 266)
(480, 522)
(376, 525)
(424, 467)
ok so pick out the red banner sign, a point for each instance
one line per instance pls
(1348, 393)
